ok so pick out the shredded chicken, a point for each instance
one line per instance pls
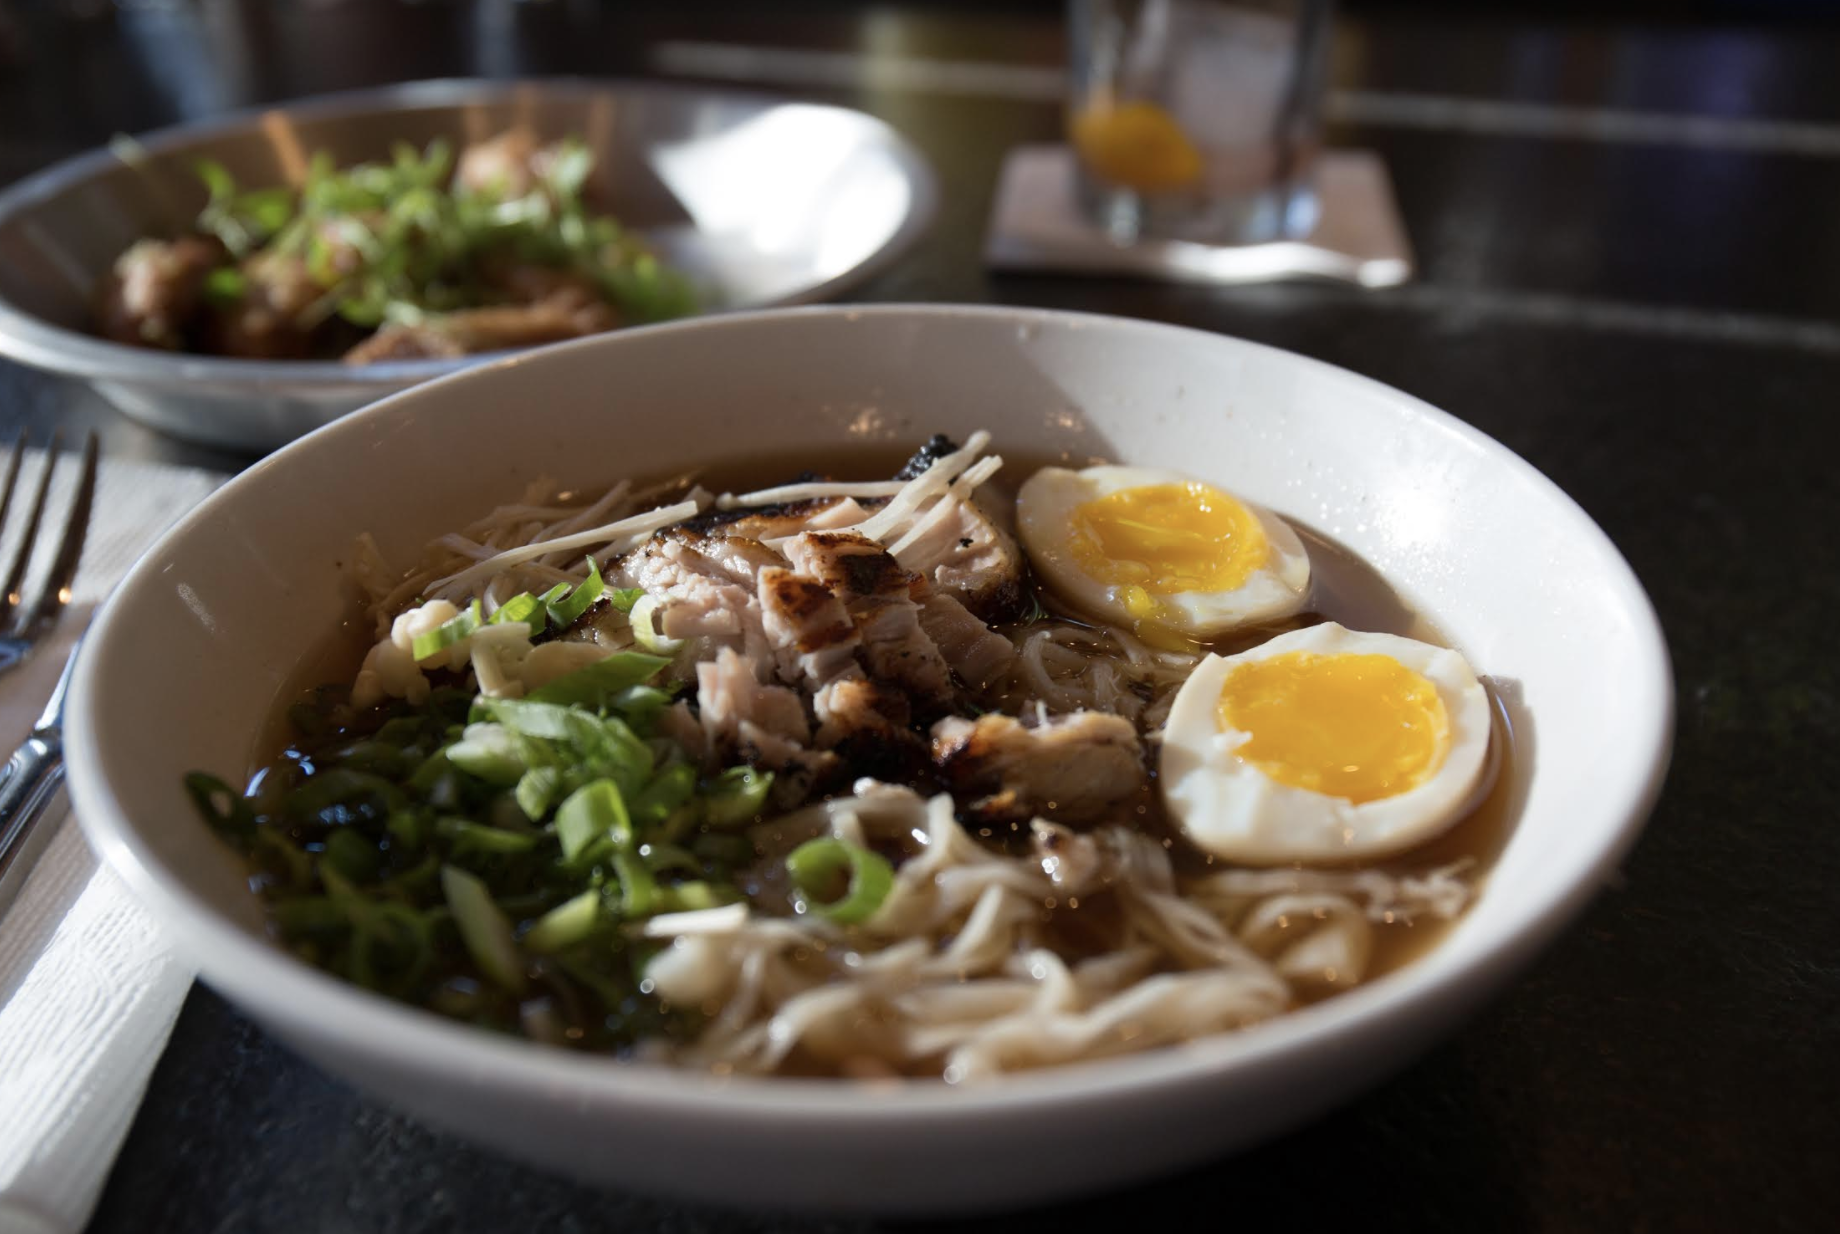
(764, 725)
(498, 328)
(156, 289)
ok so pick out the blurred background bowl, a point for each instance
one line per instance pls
(761, 202)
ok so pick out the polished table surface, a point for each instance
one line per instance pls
(1630, 246)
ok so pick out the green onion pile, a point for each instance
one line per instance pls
(490, 858)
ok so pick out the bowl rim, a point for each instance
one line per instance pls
(32, 340)
(401, 1036)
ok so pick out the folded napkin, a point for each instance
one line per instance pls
(88, 989)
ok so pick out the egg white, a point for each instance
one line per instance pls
(1044, 519)
(1232, 809)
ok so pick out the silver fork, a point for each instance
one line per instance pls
(25, 626)
(30, 780)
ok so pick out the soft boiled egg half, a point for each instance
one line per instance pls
(1155, 550)
(1324, 745)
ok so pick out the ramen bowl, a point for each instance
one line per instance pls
(192, 652)
(758, 201)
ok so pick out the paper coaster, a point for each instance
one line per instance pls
(1358, 238)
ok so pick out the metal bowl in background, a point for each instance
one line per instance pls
(762, 202)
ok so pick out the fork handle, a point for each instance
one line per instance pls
(27, 785)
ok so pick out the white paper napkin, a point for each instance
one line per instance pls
(88, 990)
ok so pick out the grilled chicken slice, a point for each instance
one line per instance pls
(1074, 769)
(977, 654)
(853, 708)
(705, 586)
(786, 519)
(763, 725)
(804, 618)
(896, 649)
(963, 553)
(854, 567)
(879, 596)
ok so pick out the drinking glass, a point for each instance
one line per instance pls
(1197, 119)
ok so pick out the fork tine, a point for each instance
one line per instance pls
(12, 473)
(55, 593)
(23, 554)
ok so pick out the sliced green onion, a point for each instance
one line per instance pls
(564, 611)
(535, 717)
(660, 858)
(838, 880)
(645, 628)
(278, 856)
(624, 598)
(343, 796)
(406, 830)
(393, 936)
(536, 791)
(304, 916)
(353, 855)
(483, 928)
(222, 806)
(735, 796)
(691, 897)
(596, 685)
(471, 837)
(402, 731)
(565, 925)
(378, 757)
(225, 285)
(490, 752)
(217, 179)
(522, 607)
(638, 889)
(640, 707)
(592, 812)
(447, 633)
(603, 744)
(670, 788)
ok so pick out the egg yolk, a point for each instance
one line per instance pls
(1165, 539)
(1361, 727)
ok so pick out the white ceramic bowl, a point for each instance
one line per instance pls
(186, 661)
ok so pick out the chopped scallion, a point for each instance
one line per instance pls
(644, 617)
(490, 752)
(736, 796)
(483, 928)
(596, 685)
(592, 812)
(840, 881)
(565, 925)
(564, 611)
(447, 633)
(522, 607)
